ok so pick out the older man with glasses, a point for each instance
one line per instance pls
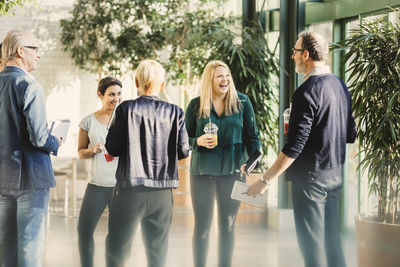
(26, 173)
(320, 125)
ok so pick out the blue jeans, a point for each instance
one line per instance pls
(22, 226)
(316, 217)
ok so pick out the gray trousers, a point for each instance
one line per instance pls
(150, 207)
(316, 217)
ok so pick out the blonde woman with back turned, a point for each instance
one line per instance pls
(149, 136)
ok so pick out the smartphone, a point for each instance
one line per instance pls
(251, 163)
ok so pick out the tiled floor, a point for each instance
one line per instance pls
(255, 245)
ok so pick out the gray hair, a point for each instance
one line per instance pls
(11, 43)
(315, 44)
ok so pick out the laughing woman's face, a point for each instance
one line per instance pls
(221, 81)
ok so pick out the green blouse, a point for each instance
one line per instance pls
(237, 133)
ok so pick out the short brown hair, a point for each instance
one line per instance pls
(315, 44)
(106, 82)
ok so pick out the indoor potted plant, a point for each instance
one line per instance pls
(373, 55)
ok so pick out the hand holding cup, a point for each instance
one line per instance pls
(207, 140)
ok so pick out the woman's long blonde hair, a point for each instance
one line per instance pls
(232, 102)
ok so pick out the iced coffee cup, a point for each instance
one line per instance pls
(286, 116)
(211, 129)
(107, 156)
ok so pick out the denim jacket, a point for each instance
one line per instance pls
(25, 143)
(149, 137)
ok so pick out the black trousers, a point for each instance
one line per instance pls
(204, 191)
(150, 207)
(95, 200)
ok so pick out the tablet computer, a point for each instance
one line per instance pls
(59, 128)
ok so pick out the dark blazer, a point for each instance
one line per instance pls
(25, 142)
(320, 125)
(149, 137)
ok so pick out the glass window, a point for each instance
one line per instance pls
(352, 186)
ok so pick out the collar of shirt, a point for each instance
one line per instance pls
(316, 71)
(30, 75)
(15, 66)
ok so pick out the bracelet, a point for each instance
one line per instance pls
(265, 181)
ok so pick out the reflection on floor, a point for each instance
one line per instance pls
(255, 245)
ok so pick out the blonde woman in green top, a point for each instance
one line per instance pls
(215, 162)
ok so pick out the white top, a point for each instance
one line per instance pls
(100, 172)
(317, 71)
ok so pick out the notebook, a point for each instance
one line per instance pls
(239, 193)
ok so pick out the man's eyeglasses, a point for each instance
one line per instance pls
(32, 47)
(294, 50)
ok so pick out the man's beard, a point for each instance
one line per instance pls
(300, 68)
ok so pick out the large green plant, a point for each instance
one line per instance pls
(373, 54)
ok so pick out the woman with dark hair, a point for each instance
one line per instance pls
(92, 136)
(217, 158)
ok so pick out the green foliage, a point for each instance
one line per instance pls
(194, 37)
(113, 36)
(7, 6)
(374, 72)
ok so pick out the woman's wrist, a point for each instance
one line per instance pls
(93, 150)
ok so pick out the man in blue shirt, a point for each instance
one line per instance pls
(26, 173)
(320, 125)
